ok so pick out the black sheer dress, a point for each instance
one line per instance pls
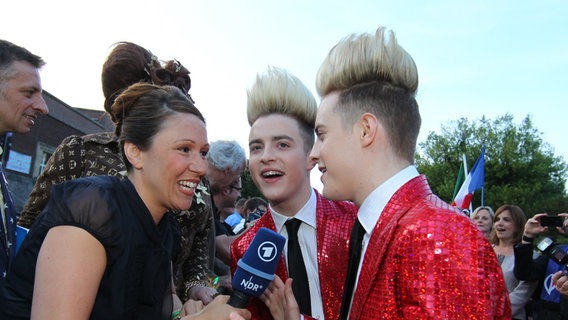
(136, 283)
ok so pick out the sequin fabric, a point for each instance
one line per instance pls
(427, 261)
(334, 221)
(98, 154)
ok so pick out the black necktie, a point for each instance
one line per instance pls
(355, 247)
(297, 269)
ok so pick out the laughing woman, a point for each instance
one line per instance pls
(508, 226)
(102, 247)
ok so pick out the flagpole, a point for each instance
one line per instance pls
(483, 185)
(465, 165)
(465, 170)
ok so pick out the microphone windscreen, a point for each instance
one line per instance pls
(256, 268)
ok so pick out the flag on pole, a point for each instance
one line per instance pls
(474, 181)
(461, 177)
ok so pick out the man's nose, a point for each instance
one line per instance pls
(40, 105)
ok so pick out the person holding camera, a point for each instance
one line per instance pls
(550, 302)
(254, 208)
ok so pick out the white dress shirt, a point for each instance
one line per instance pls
(308, 244)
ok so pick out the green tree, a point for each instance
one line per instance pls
(520, 168)
(249, 188)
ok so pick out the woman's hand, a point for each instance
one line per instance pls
(219, 309)
(191, 307)
(202, 293)
(533, 227)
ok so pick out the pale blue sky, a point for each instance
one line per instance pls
(474, 58)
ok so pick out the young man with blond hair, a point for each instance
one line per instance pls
(281, 112)
(419, 258)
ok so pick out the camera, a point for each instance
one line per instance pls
(551, 221)
(551, 249)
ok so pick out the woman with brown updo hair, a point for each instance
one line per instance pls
(99, 154)
(102, 248)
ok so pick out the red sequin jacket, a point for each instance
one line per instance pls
(424, 260)
(334, 221)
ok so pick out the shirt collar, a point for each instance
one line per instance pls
(374, 204)
(306, 214)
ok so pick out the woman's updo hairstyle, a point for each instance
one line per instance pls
(175, 74)
(141, 110)
(129, 63)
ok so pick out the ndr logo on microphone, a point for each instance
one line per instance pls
(267, 251)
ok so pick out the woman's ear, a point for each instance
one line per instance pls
(368, 125)
(133, 155)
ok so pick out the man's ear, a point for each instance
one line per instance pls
(311, 164)
(133, 155)
(368, 125)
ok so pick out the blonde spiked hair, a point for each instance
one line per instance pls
(373, 74)
(365, 58)
(278, 91)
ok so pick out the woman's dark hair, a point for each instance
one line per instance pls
(141, 110)
(129, 63)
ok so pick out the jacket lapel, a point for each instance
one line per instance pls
(397, 206)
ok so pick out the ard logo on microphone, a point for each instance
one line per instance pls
(267, 251)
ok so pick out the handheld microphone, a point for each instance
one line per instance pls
(256, 268)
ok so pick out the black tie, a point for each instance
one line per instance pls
(355, 247)
(297, 269)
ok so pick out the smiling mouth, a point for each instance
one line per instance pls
(31, 118)
(272, 174)
(188, 185)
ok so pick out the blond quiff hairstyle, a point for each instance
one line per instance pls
(365, 58)
(278, 91)
(373, 74)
